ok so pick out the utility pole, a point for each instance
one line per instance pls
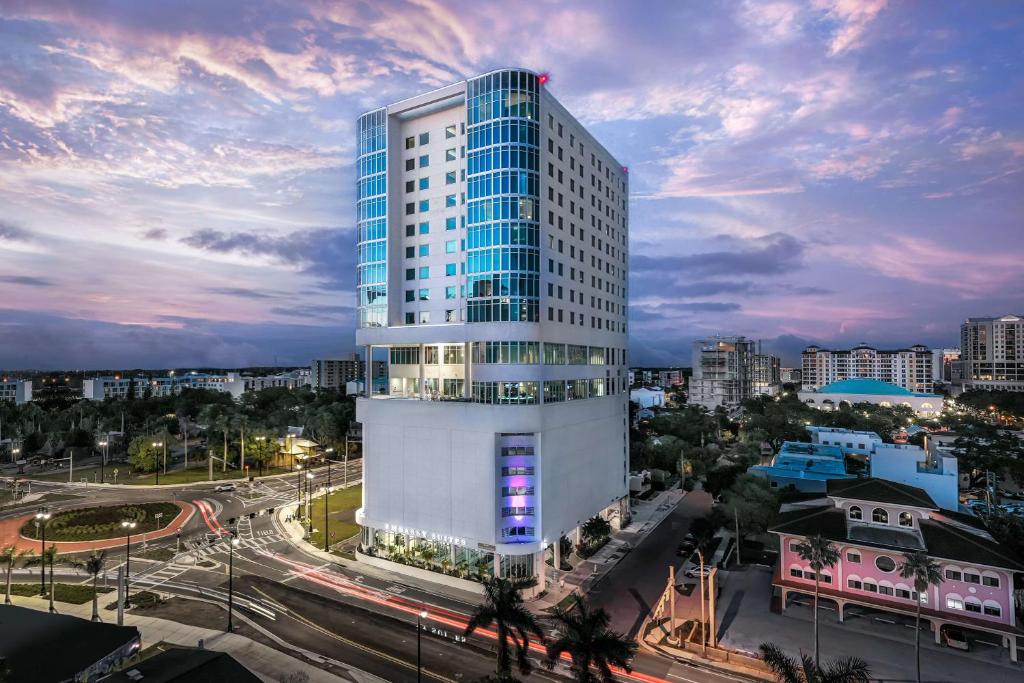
(241, 464)
(736, 517)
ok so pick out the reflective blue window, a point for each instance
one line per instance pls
(371, 218)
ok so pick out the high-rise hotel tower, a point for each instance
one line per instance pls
(493, 249)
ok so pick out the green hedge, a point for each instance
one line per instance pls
(97, 523)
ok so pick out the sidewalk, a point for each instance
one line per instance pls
(646, 516)
(264, 661)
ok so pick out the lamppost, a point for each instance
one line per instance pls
(309, 500)
(298, 491)
(103, 460)
(327, 499)
(127, 525)
(231, 575)
(158, 444)
(419, 661)
(42, 517)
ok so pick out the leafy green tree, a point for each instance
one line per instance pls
(924, 572)
(818, 552)
(143, 455)
(583, 633)
(753, 502)
(789, 670)
(504, 608)
(260, 449)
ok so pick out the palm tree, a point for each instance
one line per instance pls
(503, 606)
(94, 565)
(819, 553)
(924, 572)
(583, 633)
(10, 556)
(789, 670)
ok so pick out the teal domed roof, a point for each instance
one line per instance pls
(863, 385)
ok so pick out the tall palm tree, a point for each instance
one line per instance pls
(94, 565)
(9, 557)
(925, 573)
(583, 633)
(818, 552)
(503, 606)
(789, 670)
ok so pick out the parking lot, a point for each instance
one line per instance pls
(884, 640)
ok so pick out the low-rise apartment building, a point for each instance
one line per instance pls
(15, 391)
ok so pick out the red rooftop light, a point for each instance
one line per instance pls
(543, 78)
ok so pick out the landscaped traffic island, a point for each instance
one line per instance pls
(103, 522)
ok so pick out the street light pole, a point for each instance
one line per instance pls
(103, 461)
(42, 516)
(231, 576)
(327, 500)
(703, 623)
(419, 651)
(309, 500)
(127, 525)
(158, 444)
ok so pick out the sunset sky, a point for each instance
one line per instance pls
(177, 182)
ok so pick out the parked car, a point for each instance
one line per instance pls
(694, 572)
(956, 638)
(224, 487)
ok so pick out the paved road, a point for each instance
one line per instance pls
(635, 583)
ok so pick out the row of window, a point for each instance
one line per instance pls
(518, 511)
(512, 451)
(449, 133)
(513, 531)
(517, 470)
(517, 491)
(972, 577)
(424, 226)
(871, 586)
(525, 393)
(972, 604)
(881, 516)
(423, 272)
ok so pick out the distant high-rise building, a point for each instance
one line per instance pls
(790, 375)
(767, 374)
(908, 368)
(492, 269)
(943, 363)
(335, 373)
(992, 353)
(723, 372)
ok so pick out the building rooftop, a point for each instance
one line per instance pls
(882, 491)
(185, 665)
(30, 639)
(866, 386)
(811, 449)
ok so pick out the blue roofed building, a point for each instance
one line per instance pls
(806, 467)
(863, 390)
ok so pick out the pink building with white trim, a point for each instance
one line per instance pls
(873, 522)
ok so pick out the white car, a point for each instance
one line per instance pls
(224, 487)
(694, 572)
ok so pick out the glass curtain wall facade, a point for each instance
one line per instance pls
(371, 221)
(503, 187)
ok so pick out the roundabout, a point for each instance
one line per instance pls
(80, 529)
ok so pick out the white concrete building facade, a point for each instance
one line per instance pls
(992, 353)
(723, 372)
(493, 250)
(908, 368)
(15, 391)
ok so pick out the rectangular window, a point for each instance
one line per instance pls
(993, 610)
(449, 201)
(410, 252)
(903, 593)
(410, 295)
(449, 132)
(972, 607)
(424, 205)
(796, 573)
(854, 583)
(424, 138)
(424, 227)
(424, 317)
(450, 247)
(885, 590)
(870, 588)
(424, 183)
(410, 273)
(424, 295)
(953, 575)
(410, 208)
(410, 185)
(449, 154)
(410, 230)
(449, 178)
(449, 292)
(424, 250)
(853, 557)
(449, 223)
(954, 603)
(449, 269)
(449, 315)
(410, 142)
(410, 164)
(424, 160)
(971, 578)
(424, 272)
(992, 581)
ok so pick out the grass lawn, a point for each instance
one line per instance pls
(342, 505)
(102, 522)
(173, 477)
(74, 593)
